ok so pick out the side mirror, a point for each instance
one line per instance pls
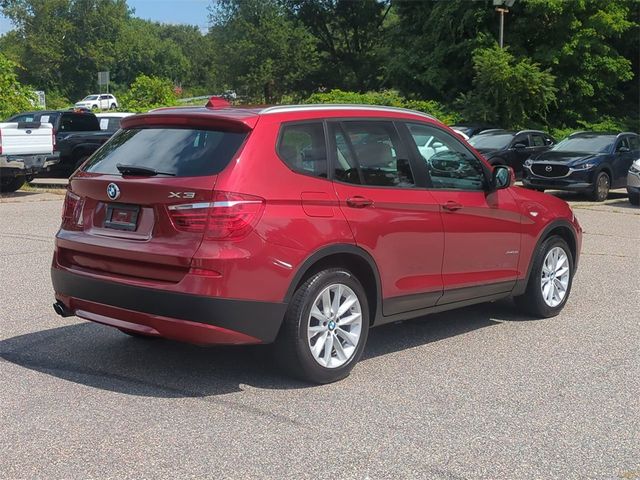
(519, 146)
(503, 177)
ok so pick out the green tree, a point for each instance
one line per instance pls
(352, 40)
(66, 42)
(259, 50)
(507, 91)
(147, 93)
(14, 97)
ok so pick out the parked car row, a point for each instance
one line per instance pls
(587, 162)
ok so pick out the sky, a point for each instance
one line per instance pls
(192, 12)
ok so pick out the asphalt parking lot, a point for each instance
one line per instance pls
(477, 393)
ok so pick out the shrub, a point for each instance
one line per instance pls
(14, 97)
(390, 98)
(147, 93)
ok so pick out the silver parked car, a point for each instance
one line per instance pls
(633, 183)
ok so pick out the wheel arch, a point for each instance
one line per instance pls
(564, 230)
(351, 257)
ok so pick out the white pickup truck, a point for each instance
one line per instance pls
(24, 148)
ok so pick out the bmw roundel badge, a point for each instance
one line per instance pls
(113, 191)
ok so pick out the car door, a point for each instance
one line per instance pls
(623, 157)
(103, 102)
(517, 156)
(391, 214)
(481, 227)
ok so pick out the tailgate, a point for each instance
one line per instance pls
(139, 207)
(134, 234)
(32, 138)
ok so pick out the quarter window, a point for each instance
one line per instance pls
(302, 147)
(449, 164)
(370, 153)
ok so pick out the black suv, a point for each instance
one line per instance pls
(505, 147)
(587, 162)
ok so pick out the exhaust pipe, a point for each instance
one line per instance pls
(61, 309)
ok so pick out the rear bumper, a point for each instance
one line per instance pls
(178, 316)
(26, 165)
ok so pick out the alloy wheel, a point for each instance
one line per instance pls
(554, 280)
(603, 186)
(334, 326)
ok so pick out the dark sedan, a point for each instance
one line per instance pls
(585, 162)
(505, 147)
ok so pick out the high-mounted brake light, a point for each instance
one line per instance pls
(217, 102)
(229, 216)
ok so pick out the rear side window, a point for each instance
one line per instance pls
(633, 143)
(173, 151)
(370, 153)
(78, 123)
(302, 147)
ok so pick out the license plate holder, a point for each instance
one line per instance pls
(120, 216)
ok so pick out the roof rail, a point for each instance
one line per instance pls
(342, 106)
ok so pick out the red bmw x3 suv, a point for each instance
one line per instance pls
(303, 226)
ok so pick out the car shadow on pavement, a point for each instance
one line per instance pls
(104, 358)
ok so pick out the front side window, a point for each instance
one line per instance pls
(623, 144)
(633, 143)
(370, 153)
(522, 140)
(302, 147)
(538, 140)
(452, 166)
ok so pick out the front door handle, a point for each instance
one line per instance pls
(452, 206)
(359, 202)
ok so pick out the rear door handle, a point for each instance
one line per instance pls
(359, 202)
(452, 206)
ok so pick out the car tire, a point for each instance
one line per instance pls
(634, 199)
(113, 106)
(94, 107)
(601, 186)
(537, 300)
(11, 184)
(305, 345)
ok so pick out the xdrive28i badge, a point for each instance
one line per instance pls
(113, 191)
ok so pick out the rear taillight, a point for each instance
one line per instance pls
(72, 211)
(230, 216)
(53, 140)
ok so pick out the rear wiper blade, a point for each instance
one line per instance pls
(137, 170)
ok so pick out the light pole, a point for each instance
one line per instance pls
(502, 7)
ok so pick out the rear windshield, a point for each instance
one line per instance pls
(174, 151)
